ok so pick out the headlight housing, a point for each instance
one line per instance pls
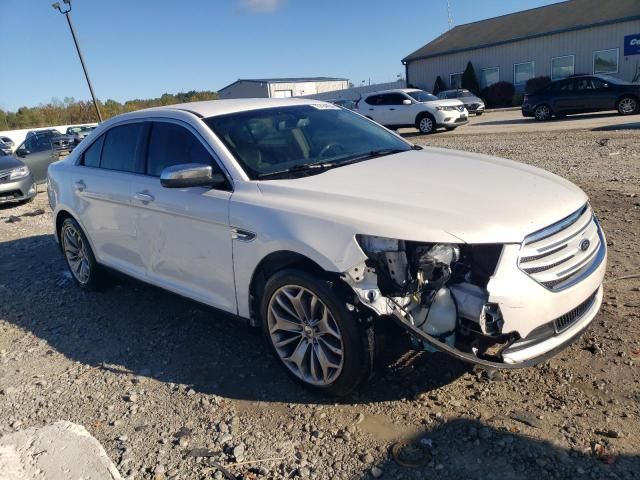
(447, 108)
(19, 172)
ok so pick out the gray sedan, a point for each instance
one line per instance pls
(471, 102)
(16, 181)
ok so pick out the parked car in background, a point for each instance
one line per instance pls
(410, 107)
(321, 227)
(350, 104)
(472, 103)
(582, 94)
(7, 141)
(16, 181)
(37, 153)
(61, 143)
(5, 149)
(80, 132)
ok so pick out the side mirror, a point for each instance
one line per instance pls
(191, 175)
(605, 85)
(22, 152)
(406, 101)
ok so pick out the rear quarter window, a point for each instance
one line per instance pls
(91, 157)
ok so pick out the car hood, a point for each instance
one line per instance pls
(445, 102)
(8, 161)
(435, 195)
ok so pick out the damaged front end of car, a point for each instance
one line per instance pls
(437, 292)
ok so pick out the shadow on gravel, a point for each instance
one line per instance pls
(623, 126)
(531, 121)
(466, 448)
(132, 328)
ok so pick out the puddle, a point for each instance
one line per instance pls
(384, 430)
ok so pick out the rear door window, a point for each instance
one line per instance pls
(171, 144)
(123, 148)
(373, 99)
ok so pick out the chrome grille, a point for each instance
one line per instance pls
(4, 175)
(563, 253)
(461, 108)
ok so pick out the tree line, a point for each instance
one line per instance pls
(70, 111)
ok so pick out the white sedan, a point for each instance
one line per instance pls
(318, 226)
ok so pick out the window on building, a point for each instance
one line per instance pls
(605, 61)
(523, 72)
(455, 79)
(562, 67)
(489, 76)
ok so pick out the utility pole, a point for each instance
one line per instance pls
(67, 14)
(449, 14)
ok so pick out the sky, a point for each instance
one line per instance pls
(144, 48)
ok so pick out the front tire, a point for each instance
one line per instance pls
(627, 106)
(542, 113)
(79, 257)
(426, 124)
(318, 341)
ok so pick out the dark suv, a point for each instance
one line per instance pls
(581, 94)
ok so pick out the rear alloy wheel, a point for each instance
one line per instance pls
(79, 256)
(319, 342)
(542, 113)
(627, 106)
(426, 124)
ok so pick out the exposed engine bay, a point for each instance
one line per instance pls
(437, 292)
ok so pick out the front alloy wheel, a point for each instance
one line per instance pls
(542, 113)
(426, 125)
(305, 335)
(319, 341)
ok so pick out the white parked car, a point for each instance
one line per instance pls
(410, 107)
(318, 226)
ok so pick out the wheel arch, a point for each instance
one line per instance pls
(627, 95)
(275, 262)
(424, 113)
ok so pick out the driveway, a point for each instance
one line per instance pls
(512, 121)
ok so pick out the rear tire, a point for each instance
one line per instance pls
(627, 106)
(317, 340)
(426, 123)
(543, 113)
(79, 257)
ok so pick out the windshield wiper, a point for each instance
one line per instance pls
(321, 166)
(305, 167)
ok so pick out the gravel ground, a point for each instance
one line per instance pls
(171, 391)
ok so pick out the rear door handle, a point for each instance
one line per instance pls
(392, 109)
(80, 186)
(143, 197)
(371, 109)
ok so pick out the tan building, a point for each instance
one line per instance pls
(282, 87)
(558, 40)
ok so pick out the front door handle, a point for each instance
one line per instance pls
(80, 186)
(143, 197)
(371, 109)
(392, 109)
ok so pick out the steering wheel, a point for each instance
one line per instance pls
(328, 147)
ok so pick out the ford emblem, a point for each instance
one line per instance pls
(584, 245)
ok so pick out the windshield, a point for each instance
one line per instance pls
(79, 129)
(422, 96)
(277, 139)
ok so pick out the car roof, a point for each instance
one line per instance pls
(212, 108)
